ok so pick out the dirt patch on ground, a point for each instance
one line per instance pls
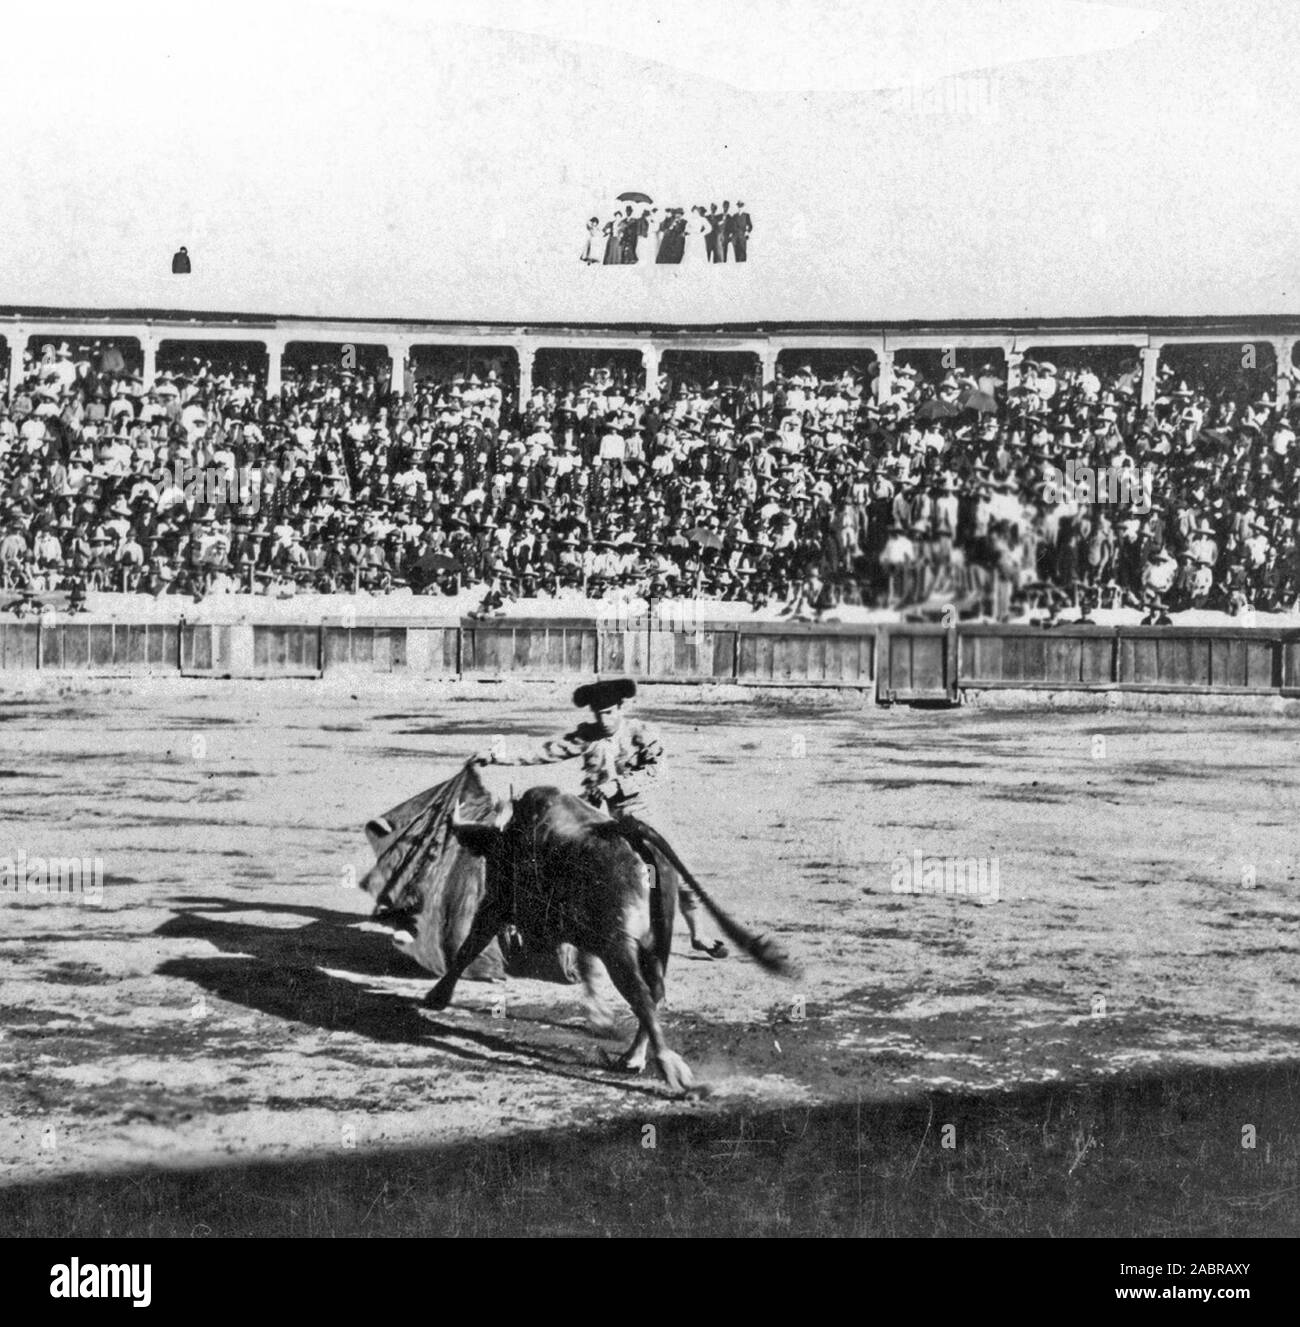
(229, 999)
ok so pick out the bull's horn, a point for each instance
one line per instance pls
(500, 814)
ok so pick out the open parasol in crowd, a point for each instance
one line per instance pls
(981, 402)
(633, 197)
(432, 567)
(937, 409)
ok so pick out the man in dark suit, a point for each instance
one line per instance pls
(726, 230)
(629, 234)
(713, 236)
(741, 225)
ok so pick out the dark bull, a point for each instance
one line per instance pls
(563, 871)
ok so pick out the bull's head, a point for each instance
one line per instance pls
(481, 836)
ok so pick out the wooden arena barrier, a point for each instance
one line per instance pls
(1076, 658)
(110, 647)
(1225, 660)
(541, 649)
(1290, 663)
(205, 650)
(285, 649)
(901, 661)
(811, 654)
(700, 653)
(20, 646)
(427, 648)
(433, 648)
(371, 647)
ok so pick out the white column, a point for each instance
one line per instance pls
(16, 337)
(525, 351)
(768, 358)
(650, 358)
(274, 365)
(397, 354)
(1150, 364)
(1283, 348)
(149, 350)
(884, 376)
(1014, 359)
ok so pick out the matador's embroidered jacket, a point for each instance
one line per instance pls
(611, 766)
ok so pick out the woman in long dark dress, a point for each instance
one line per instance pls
(613, 241)
(670, 251)
(663, 253)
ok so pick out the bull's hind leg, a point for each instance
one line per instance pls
(486, 925)
(625, 972)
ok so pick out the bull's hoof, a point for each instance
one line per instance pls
(677, 1074)
(716, 950)
(622, 1064)
(600, 1022)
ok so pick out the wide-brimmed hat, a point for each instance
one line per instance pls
(605, 694)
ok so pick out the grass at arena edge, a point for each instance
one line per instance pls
(1145, 1154)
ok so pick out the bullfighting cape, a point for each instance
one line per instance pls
(423, 878)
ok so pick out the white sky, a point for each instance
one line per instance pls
(439, 160)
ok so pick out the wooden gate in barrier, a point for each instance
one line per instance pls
(918, 663)
(205, 650)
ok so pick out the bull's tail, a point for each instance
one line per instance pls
(767, 953)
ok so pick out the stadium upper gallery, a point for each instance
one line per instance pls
(388, 370)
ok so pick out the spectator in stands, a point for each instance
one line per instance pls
(802, 489)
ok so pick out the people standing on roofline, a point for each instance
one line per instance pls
(592, 251)
(713, 237)
(618, 755)
(741, 226)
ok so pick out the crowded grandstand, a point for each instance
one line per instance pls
(802, 494)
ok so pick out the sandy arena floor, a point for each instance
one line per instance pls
(229, 999)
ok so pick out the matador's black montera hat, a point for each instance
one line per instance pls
(603, 695)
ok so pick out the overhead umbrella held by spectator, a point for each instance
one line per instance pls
(936, 409)
(981, 402)
(634, 197)
(430, 568)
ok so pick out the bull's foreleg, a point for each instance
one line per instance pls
(599, 1018)
(488, 921)
(633, 1059)
(625, 972)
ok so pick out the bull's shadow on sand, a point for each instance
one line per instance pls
(280, 971)
(1135, 1155)
(273, 970)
